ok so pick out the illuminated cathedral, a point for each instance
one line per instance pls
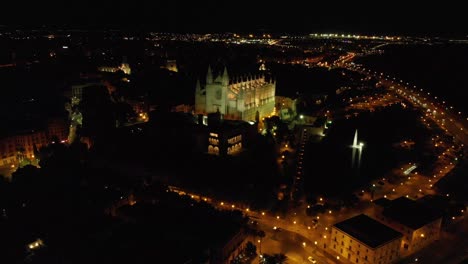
(248, 98)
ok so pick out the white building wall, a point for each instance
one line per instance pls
(357, 252)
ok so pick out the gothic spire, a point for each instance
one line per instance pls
(209, 75)
(198, 86)
(225, 78)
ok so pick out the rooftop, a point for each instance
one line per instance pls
(368, 230)
(410, 213)
(384, 202)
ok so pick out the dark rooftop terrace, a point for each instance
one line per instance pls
(368, 231)
(410, 213)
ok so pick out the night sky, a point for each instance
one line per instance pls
(445, 18)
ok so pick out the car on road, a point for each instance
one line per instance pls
(311, 259)
(277, 229)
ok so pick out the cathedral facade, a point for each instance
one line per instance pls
(247, 98)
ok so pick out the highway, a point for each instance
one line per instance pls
(448, 119)
(452, 247)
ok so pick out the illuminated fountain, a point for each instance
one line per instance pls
(356, 147)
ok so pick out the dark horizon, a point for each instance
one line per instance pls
(389, 18)
(146, 28)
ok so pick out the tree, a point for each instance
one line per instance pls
(275, 259)
(98, 111)
(260, 233)
(250, 249)
(280, 258)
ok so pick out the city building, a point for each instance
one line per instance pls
(419, 224)
(226, 137)
(77, 88)
(21, 145)
(124, 67)
(57, 129)
(247, 98)
(182, 108)
(225, 252)
(285, 107)
(171, 65)
(361, 239)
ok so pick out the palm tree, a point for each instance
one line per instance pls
(275, 259)
(280, 258)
